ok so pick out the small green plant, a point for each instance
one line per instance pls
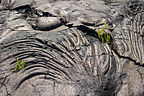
(17, 68)
(22, 64)
(103, 36)
(17, 65)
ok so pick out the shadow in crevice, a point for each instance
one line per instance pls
(91, 34)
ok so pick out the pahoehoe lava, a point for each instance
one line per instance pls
(58, 40)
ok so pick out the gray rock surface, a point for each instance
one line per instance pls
(58, 40)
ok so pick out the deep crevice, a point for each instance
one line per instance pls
(87, 31)
(92, 35)
(128, 58)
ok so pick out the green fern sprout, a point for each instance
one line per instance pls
(103, 28)
(104, 37)
(17, 65)
(22, 64)
(108, 39)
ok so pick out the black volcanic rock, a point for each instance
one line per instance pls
(63, 54)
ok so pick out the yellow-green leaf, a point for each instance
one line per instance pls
(17, 60)
(17, 67)
(103, 29)
(22, 63)
(99, 35)
(108, 39)
(103, 40)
